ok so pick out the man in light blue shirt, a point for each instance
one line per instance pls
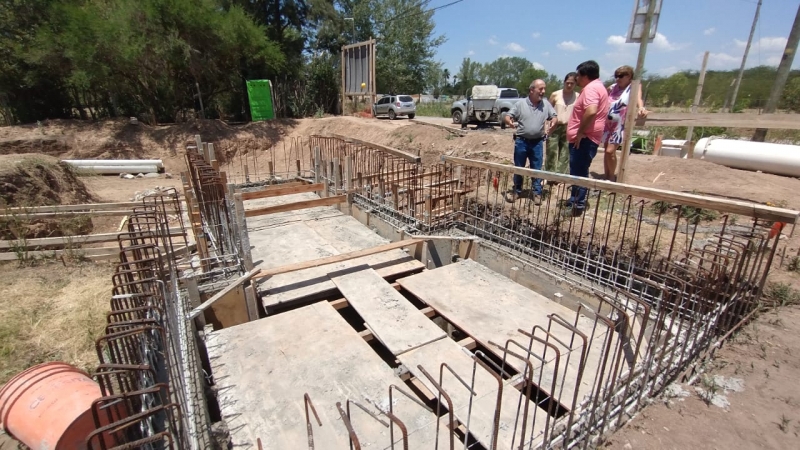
(535, 118)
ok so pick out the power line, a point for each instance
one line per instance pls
(421, 11)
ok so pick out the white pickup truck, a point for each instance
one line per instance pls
(505, 100)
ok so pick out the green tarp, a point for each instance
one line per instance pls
(260, 94)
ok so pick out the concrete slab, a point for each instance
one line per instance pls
(394, 321)
(304, 235)
(491, 308)
(262, 369)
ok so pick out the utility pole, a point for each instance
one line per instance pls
(744, 57)
(782, 75)
(698, 95)
(636, 86)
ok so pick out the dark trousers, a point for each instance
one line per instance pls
(527, 150)
(580, 158)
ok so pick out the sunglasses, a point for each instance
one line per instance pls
(618, 76)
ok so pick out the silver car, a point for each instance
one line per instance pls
(395, 105)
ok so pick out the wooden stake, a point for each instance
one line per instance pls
(317, 165)
(244, 237)
(396, 197)
(205, 154)
(698, 95)
(337, 178)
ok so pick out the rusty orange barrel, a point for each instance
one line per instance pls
(49, 406)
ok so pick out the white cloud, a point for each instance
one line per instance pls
(545, 54)
(667, 71)
(722, 59)
(504, 55)
(774, 60)
(536, 35)
(514, 47)
(493, 40)
(616, 40)
(709, 31)
(538, 66)
(662, 43)
(765, 44)
(570, 46)
(470, 53)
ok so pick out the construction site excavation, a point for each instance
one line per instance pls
(348, 294)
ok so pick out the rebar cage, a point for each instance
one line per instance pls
(664, 276)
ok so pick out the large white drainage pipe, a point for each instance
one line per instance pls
(116, 166)
(770, 158)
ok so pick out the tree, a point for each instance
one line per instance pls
(435, 81)
(140, 57)
(468, 75)
(505, 71)
(791, 95)
(406, 44)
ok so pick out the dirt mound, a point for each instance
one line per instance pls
(39, 180)
(29, 180)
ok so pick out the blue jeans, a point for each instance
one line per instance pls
(528, 151)
(580, 158)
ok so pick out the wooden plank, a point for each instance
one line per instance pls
(393, 320)
(340, 303)
(732, 206)
(264, 368)
(728, 120)
(393, 151)
(297, 189)
(230, 310)
(468, 343)
(366, 335)
(98, 253)
(484, 403)
(328, 201)
(53, 215)
(427, 311)
(234, 285)
(314, 283)
(456, 131)
(71, 240)
(263, 273)
(71, 208)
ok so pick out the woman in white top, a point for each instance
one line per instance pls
(619, 96)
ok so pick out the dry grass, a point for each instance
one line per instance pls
(51, 313)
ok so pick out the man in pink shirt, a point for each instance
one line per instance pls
(585, 129)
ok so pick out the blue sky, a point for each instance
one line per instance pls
(559, 35)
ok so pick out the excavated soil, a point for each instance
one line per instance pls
(28, 180)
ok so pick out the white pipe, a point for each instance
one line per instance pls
(105, 170)
(770, 158)
(114, 162)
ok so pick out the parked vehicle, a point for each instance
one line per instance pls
(394, 106)
(506, 98)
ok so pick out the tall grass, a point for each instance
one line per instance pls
(434, 109)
